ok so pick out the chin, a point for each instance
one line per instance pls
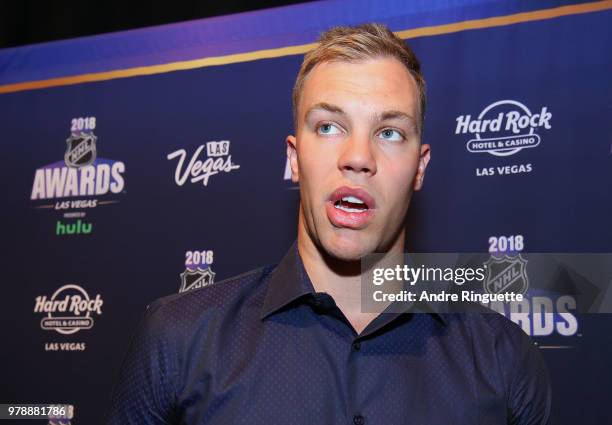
(348, 247)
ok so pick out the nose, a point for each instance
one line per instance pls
(357, 156)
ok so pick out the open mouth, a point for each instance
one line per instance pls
(351, 204)
(350, 208)
(354, 200)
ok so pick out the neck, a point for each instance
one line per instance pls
(338, 278)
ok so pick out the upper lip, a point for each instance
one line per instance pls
(357, 192)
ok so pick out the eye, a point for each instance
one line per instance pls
(328, 129)
(391, 135)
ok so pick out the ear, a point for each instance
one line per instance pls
(424, 157)
(292, 158)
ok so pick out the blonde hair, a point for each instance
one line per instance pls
(358, 43)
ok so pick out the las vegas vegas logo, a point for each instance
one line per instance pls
(218, 160)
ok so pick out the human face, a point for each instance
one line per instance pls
(357, 156)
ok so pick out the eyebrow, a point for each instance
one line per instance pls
(390, 115)
(325, 107)
(386, 115)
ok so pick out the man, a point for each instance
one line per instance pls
(290, 344)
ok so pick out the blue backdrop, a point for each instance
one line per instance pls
(108, 202)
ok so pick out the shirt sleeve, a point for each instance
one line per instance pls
(145, 391)
(530, 398)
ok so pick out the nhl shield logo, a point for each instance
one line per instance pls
(506, 274)
(196, 278)
(81, 150)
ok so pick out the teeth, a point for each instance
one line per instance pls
(352, 200)
(347, 209)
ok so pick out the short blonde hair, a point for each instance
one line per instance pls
(354, 44)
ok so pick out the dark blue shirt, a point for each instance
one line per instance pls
(265, 348)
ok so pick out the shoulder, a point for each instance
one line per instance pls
(485, 323)
(174, 331)
(502, 345)
(189, 307)
(178, 324)
(492, 333)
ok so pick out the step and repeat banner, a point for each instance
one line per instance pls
(140, 164)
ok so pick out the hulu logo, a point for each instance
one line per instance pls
(77, 228)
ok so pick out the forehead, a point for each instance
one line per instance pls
(373, 84)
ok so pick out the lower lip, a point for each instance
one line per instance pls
(351, 220)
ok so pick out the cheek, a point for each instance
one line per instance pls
(316, 164)
(398, 182)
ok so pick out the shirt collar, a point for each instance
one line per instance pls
(289, 281)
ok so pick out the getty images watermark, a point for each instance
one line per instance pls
(405, 275)
(457, 282)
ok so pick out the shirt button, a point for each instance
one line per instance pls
(357, 345)
(358, 420)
